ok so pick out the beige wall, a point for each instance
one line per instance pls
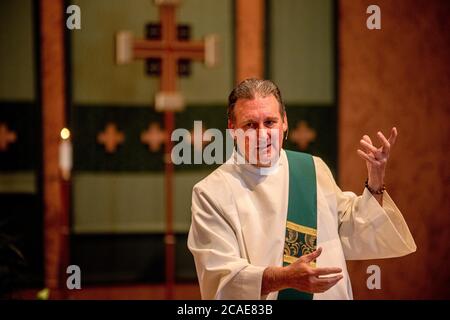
(399, 75)
(17, 65)
(97, 80)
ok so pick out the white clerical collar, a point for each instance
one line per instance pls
(261, 171)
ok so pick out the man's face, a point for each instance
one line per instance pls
(260, 116)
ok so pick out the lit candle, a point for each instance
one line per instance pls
(65, 154)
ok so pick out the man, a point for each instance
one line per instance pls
(280, 227)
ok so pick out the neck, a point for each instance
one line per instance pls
(255, 168)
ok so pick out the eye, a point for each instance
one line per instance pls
(269, 123)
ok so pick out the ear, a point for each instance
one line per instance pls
(231, 129)
(285, 123)
(230, 124)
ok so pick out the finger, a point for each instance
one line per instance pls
(326, 271)
(326, 284)
(393, 136)
(386, 144)
(328, 280)
(312, 256)
(367, 138)
(368, 146)
(365, 156)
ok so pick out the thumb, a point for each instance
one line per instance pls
(312, 256)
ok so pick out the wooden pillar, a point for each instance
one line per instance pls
(249, 39)
(399, 75)
(169, 84)
(53, 117)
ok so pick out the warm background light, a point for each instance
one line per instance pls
(65, 133)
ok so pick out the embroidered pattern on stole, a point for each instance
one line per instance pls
(300, 240)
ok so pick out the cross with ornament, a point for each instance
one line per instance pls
(7, 137)
(302, 135)
(111, 137)
(168, 52)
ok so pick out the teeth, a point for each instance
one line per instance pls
(262, 148)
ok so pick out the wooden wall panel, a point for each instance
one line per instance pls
(399, 76)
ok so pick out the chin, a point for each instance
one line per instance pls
(269, 158)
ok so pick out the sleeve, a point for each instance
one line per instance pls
(222, 273)
(368, 230)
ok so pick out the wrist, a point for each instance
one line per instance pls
(375, 181)
(375, 178)
(375, 188)
(274, 279)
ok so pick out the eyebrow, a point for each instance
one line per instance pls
(271, 118)
(248, 120)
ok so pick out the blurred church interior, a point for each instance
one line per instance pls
(85, 176)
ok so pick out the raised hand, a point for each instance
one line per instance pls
(377, 157)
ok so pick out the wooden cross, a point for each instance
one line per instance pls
(154, 137)
(303, 135)
(169, 50)
(111, 137)
(6, 137)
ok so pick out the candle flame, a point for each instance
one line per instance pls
(65, 134)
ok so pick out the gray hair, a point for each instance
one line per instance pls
(248, 89)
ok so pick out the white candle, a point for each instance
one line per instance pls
(65, 154)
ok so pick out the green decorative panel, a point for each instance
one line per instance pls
(21, 209)
(133, 155)
(130, 203)
(118, 203)
(97, 80)
(17, 50)
(18, 182)
(18, 113)
(320, 122)
(212, 117)
(302, 52)
(20, 119)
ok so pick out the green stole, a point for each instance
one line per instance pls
(301, 224)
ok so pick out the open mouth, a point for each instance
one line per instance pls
(263, 147)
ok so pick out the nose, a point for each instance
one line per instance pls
(263, 134)
(262, 128)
